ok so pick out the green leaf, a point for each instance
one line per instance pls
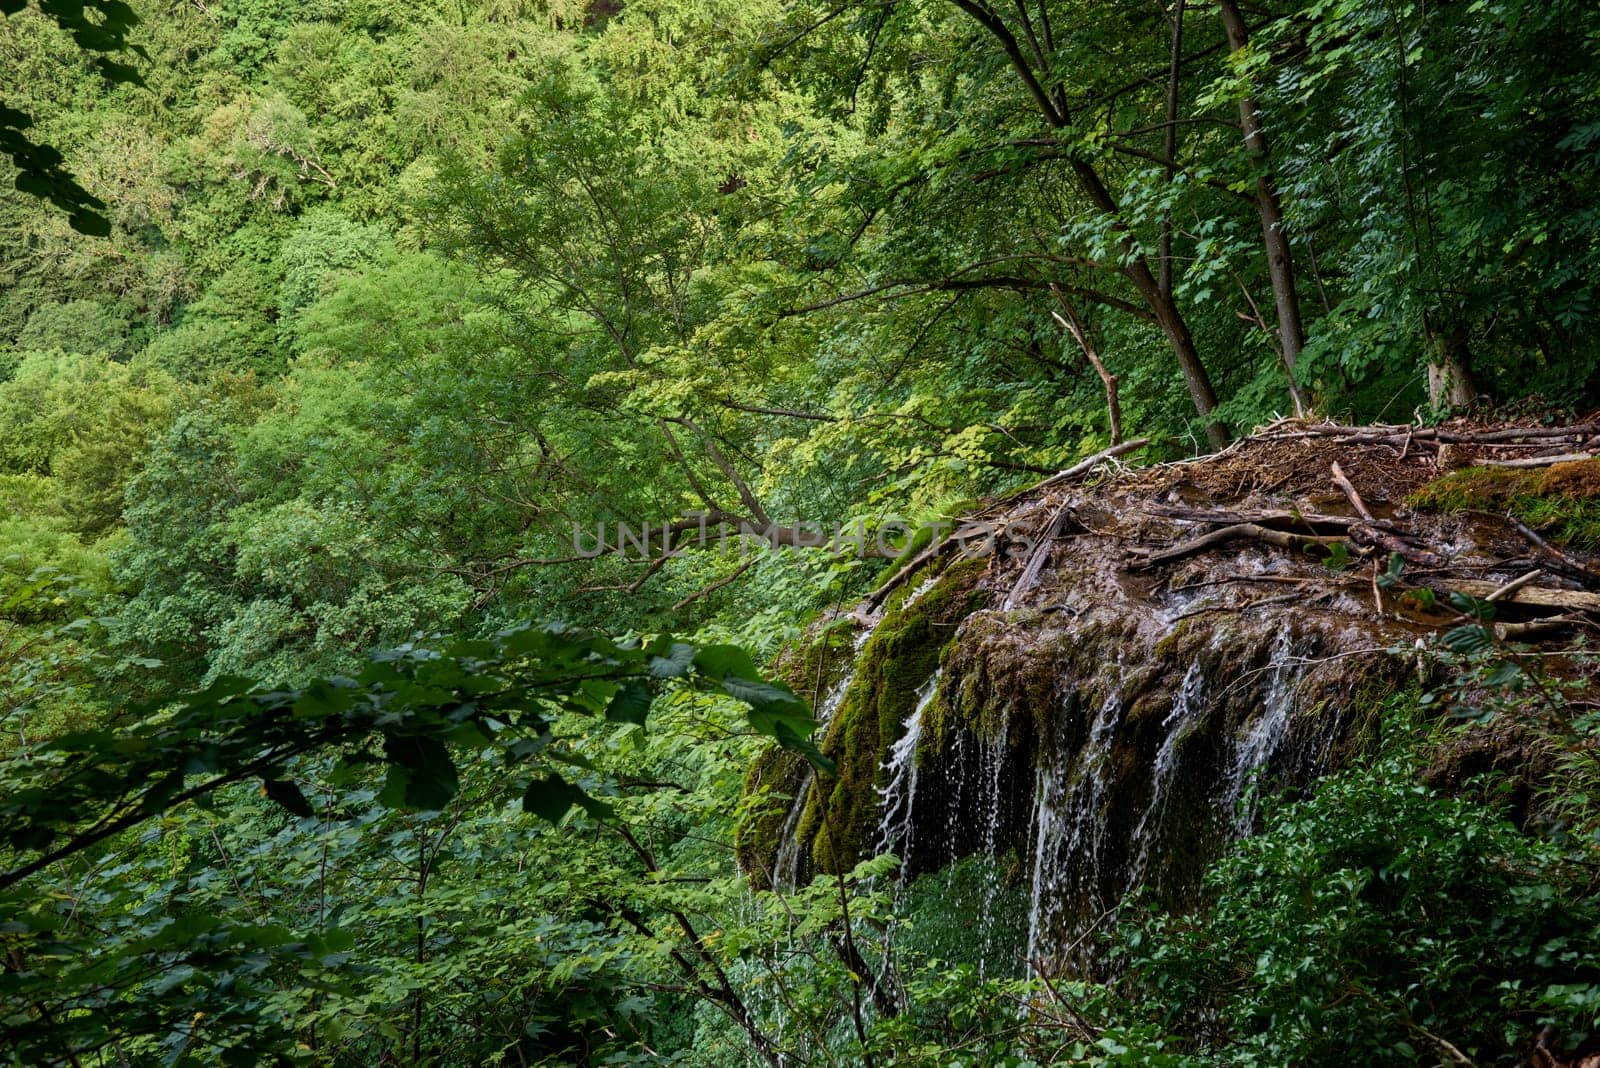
(288, 795)
(1391, 575)
(769, 698)
(722, 661)
(430, 775)
(551, 797)
(675, 664)
(790, 739)
(1468, 605)
(630, 704)
(1468, 639)
(1338, 557)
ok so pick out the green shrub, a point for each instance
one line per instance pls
(1379, 923)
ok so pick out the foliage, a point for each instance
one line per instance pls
(357, 311)
(39, 166)
(497, 701)
(1382, 921)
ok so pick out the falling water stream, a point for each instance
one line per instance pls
(1265, 736)
(897, 800)
(1069, 824)
(786, 865)
(1088, 849)
(995, 754)
(1185, 705)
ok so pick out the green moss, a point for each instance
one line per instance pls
(769, 786)
(902, 654)
(1562, 501)
(814, 663)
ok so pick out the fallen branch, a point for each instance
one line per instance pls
(1253, 531)
(1083, 466)
(876, 597)
(1391, 435)
(1514, 585)
(1377, 533)
(1089, 464)
(1030, 573)
(1264, 516)
(1566, 563)
(1539, 461)
(1285, 517)
(1350, 493)
(1363, 534)
(1515, 631)
(1534, 596)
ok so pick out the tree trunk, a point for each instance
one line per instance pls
(1176, 328)
(1280, 259)
(1450, 383)
(1168, 317)
(1170, 142)
(1138, 269)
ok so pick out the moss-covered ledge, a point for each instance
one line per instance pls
(1562, 500)
(839, 816)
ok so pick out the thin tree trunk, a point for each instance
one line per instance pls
(1173, 324)
(1138, 271)
(1068, 318)
(1450, 383)
(1170, 142)
(1168, 317)
(1280, 259)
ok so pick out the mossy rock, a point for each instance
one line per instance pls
(1562, 500)
(813, 664)
(895, 664)
(769, 787)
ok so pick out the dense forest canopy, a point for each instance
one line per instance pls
(340, 340)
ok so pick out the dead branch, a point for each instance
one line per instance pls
(717, 585)
(1030, 573)
(1559, 560)
(1533, 596)
(1087, 465)
(1368, 535)
(1539, 461)
(1350, 493)
(1535, 627)
(1252, 531)
(876, 597)
(1514, 585)
(1263, 516)
(1394, 435)
(1068, 318)
(917, 562)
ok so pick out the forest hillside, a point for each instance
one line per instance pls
(895, 532)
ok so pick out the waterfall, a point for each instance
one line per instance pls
(923, 587)
(786, 864)
(898, 798)
(1184, 705)
(1069, 826)
(1258, 746)
(995, 755)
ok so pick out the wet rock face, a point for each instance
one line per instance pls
(1096, 751)
(1099, 713)
(1108, 756)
